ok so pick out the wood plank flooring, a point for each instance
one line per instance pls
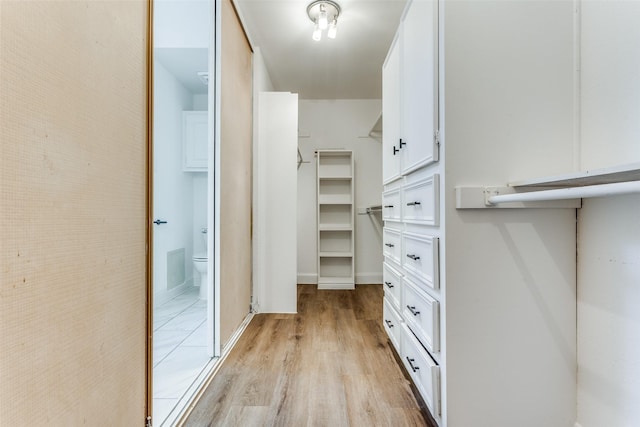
(328, 365)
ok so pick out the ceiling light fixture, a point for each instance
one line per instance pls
(324, 14)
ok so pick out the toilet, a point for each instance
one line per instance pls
(200, 264)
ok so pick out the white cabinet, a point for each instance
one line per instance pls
(335, 188)
(419, 110)
(483, 294)
(195, 146)
(411, 199)
(410, 94)
(391, 113)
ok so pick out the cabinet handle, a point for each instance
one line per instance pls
(413, 203)
(159, 221)
(413, 257)
(412, 309)
(395, 150)
(413, 368)
(388, 322)
(402, 144)
(389, 245)
(388, 206)
(389, 285)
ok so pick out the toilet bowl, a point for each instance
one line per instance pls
(200, 263)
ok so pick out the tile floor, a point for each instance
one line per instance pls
(179, 353)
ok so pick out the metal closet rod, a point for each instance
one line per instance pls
(599, 190)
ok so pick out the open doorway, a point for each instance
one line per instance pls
(183, 296)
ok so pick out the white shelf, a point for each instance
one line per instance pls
(615, 174)
(335, 227)
(334, 199)
(335, 254)
(335, 178)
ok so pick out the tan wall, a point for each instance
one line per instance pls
(235, 174)
(72, 212)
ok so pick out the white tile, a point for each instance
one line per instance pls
(173, 376)
(161, 409)
(197, 337)
(164, 342)
(188, 320)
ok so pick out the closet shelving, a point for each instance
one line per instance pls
(335, 213)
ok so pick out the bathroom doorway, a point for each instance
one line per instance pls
(183, 331)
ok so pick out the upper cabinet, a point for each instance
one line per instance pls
(195, 145)
(410, 111)
(391, 113)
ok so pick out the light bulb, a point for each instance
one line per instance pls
(323, 21)
(317, 33)
(333, 29)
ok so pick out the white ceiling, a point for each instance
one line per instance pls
(348, 67)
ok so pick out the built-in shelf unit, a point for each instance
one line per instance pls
(335, 197)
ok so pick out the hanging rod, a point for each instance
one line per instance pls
(600, 190)
(509, 197)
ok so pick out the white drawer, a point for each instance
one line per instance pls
(391, 322)
(392, 245)
(420, 259)
(392, 285)
(424, 372)
(420, 201)
(391, 205)
(422, 315)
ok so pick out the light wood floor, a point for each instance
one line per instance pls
(328, 365)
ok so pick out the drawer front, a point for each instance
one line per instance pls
(420, 259)
(424, 372)
(392, 245)
(422, 314)
(391, 206)
(392, 286)
(420, 201)
(391, 322)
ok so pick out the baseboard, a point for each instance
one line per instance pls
(308, 279)
(361, 279)
(368, 278)
(166, 296)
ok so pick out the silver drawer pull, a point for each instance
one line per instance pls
(389, 285)
(412, 309)
(413, 368)
(413, 203)
(389, 245)
(413, 257)
(389, 324)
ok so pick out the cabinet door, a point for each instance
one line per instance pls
(391, 114)
(195, 146)
(420, 85)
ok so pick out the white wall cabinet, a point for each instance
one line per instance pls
(195, 147)
(410, 94)
(335, 197)
(473, 300)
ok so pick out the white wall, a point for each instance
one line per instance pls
(261, 83)
(341, 124)
(509, 275)
(609, 228)
(274, 223)
(172, 17)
